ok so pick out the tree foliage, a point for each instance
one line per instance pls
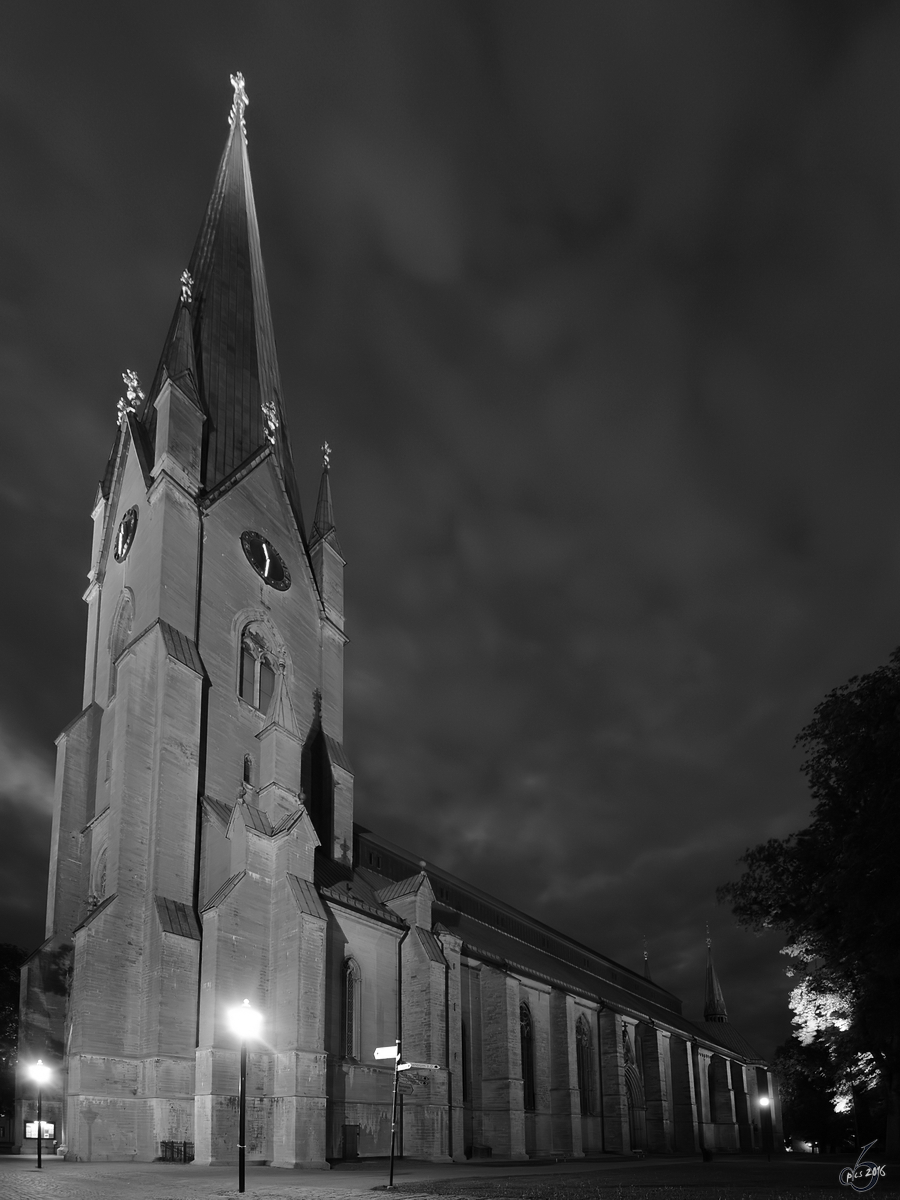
(809, 1088)
(832, 888)
(11, 958)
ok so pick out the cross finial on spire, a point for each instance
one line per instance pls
(326, 455)
(187, 284)
(708, 938)
(239, 103)
(133, 393)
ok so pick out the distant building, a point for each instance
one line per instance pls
(204, 849)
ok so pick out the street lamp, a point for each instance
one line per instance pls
(245, 1022)
(40, 1074)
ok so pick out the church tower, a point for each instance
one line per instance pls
(183, 838)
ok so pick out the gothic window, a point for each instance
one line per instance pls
(248, 769)
(98, 883)
(585, 1061)
(526, 1034)
(257, 674)
(464, 1056)
(120, 634)
(350, 1009)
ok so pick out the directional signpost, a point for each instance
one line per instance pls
(394, 1053)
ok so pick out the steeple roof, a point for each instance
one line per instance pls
(714, 1007)
(323, 524)
(225, 293)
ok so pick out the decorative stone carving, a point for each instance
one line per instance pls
(128, 404)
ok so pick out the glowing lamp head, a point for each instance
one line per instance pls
(245, 1021)
(764, 1102)
(39, 1073)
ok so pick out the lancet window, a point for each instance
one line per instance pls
(350, 990)
(120, 634)
(584, 1058)
(464, 1063)
(257, 670)
(526, 1035)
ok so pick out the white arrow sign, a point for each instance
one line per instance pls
(387, 1052)
(420, 1066)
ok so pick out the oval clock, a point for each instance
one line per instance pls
(265, 560)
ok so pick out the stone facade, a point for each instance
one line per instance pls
(204, 850)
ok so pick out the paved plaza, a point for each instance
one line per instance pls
(734, 1177)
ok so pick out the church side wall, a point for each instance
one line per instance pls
(359, 1088)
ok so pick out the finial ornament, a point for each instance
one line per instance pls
(133, 393)
(708, 938)
(326, 455)
(270, 412)
(187, 284)
(239, 103)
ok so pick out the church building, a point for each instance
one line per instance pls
(204, 849)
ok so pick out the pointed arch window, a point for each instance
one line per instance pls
(120, 635)
(350, 989)
(526, 1036)
(98, 880)
(584, 1057)
(464, 1063)
(256, 684)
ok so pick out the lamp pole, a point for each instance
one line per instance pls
(245, 1022)
(40, 1074)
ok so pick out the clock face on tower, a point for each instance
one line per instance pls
(265, 560)
(125, 535)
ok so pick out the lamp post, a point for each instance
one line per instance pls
(40, 1074)
(245, 1022)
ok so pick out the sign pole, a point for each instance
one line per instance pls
(394, 1113)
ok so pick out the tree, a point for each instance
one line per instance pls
(809, 1084)
(11, 958)
(832, 888)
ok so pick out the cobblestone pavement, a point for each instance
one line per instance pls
(651, 1179)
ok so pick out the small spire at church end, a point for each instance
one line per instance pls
(714, 1006)
(323, 524)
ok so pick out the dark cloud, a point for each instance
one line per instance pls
(596, 304)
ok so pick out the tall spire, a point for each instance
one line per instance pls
(714, 1006)
(224, 290)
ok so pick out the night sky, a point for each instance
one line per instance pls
(597, 305)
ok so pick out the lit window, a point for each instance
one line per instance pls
(257, 676)
(526, 1033)
(350, 1009)
(120, 635)
(464, 1054)
(584, 1058)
